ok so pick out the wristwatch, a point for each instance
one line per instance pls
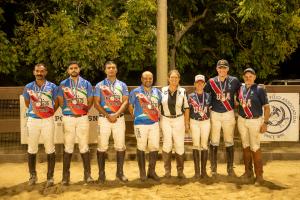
(266, 122)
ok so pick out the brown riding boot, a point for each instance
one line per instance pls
(258, 166)
(230, 159)
(152, 163)
(180, 165)
(248, 164)
(167, 157)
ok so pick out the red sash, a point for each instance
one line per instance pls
(245, 107)
(217, 90)
(195, 105)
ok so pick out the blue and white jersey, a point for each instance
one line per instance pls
(199, 105)
(111, 94)
(146, 105)
(41, 99)
(75, 96)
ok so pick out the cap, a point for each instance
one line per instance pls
(199, 77)
(222, 63)
(249, 70)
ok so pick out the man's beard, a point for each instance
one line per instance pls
(74, 74)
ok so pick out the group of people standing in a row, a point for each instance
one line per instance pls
(205, 112)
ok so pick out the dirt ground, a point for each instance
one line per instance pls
(282, 182)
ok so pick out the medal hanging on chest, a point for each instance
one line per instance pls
(148, 96)
(223, 93)
(39, 92)
(244, 98)
(74, 88)
(201, 104)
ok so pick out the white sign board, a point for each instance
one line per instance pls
(284, 119)
(58, 134)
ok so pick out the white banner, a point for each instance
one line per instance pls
(284, 120)
(58, 134)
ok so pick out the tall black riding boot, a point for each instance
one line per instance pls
(196, 157)
(66, 168)
(87, 167)
(204, 155)
(101, 165)
(213, 160)
(32, 169)
(120, 162)
(141, 162)
(152, 163)
(51, 166)
(230, 159)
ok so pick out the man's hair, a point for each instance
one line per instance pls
(40, 65)
(73, 62)
(109, 62)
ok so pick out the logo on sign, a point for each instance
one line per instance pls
(282, 116)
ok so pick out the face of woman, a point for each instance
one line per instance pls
(249, 78)
(174, 80)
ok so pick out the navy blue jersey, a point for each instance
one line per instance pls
(229, 88)
(255, 100)
(199, 105)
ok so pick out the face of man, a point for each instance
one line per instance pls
(199, 85)
(40, 72)
(147, 79)
(111, 70)
(249, 78)
(73, 70)
(222, 71)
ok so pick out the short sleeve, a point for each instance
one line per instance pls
(25, 93)
(54, 92)
(89, 89)
(132, 97)
(185, 101)
(125, 91)
(60, 92)
(262, 95)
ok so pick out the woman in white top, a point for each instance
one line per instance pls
(174, 122)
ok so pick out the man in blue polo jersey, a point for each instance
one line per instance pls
(75, 98)
(222, 89)
(111, 100)
(40, 99)
(144, 104)
(254, 113)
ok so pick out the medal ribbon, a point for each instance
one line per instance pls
(217, 90)
(39, 90)
(243, 99)
(201, 105)
(74, 87)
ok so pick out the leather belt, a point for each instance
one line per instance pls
(121, 115)
(173, 116)
(254, 117)
(200, 119)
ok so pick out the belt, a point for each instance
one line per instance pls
(75, 115)
(121, 115)
(254, 117)
(200, 119)
(173, 116)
